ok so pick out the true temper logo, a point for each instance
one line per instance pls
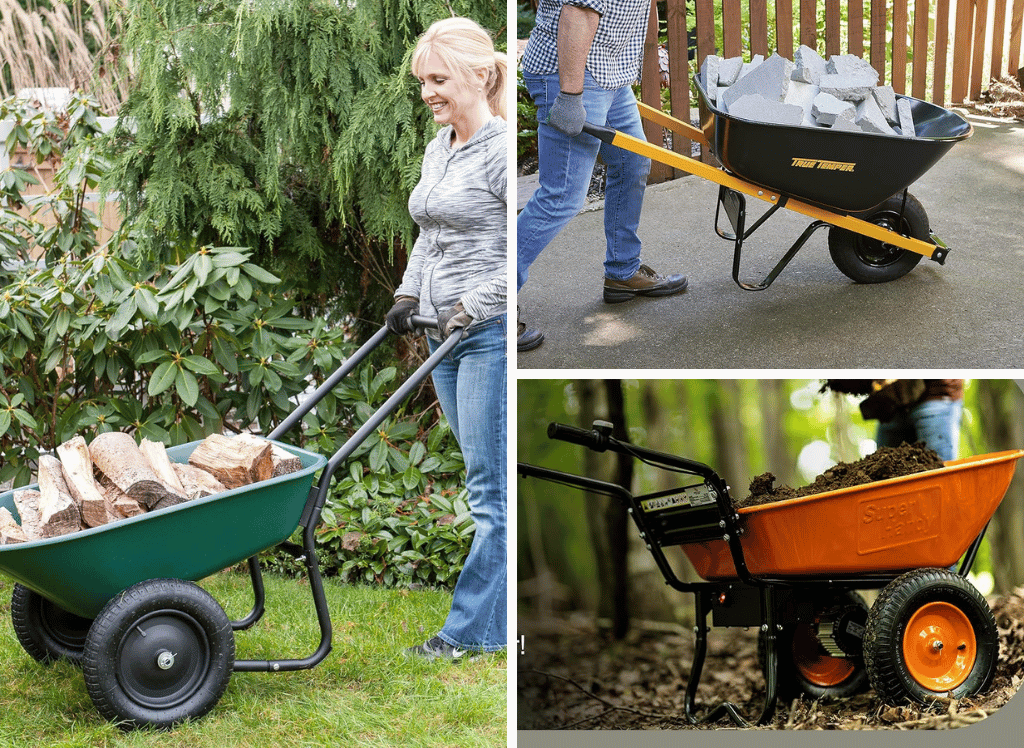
(814, 163)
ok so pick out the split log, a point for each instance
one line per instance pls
(156, 453)
(78, 469)
(58, 512)
(197, 482)
(284, 461)
(124, 505)
(234, 462)
(10, 530)
(26, 502)
(121, 460)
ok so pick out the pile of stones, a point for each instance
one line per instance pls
(841, 93)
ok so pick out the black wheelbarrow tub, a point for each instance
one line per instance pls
(847, 172)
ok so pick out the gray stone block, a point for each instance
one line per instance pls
(906, 117)
(848, 87)
(851, 65)
(827, 108)
(759, 109)
(809, 66)
(846, 121)
(802, 95)
(748, 67)
(886, 98)
(729, 71)
(871, 119)
(709, 72)
(718, 98)
(770, 79)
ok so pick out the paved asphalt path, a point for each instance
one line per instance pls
(966, 314)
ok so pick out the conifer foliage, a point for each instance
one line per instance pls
(292, 127)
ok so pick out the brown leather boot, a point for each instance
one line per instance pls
(645, 282)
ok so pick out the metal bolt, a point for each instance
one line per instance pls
(277, 666)
(937, 646)
(165, 660)
(764, 627)
(721, 523)
(726, 537)
(778, 626)
(631, 510)
(648, 546)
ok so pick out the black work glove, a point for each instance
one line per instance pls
(399, 319)
(567, 113)
(451, 319)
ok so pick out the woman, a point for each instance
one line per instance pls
(456, 272)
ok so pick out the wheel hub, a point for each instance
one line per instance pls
(939, 646)
(163, 659)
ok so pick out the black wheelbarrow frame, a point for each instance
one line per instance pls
(855, 183)
(707, 514)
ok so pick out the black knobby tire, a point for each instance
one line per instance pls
(45, 630)
(158, 654)
(930, 634)
(805, 668)
(867, 260)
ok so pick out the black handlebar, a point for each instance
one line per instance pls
(595, 439)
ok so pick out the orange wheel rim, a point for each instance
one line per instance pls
(939, 646)
(814, 665)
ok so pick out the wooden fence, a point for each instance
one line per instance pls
(944, 51)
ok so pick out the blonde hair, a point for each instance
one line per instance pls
(464, 48)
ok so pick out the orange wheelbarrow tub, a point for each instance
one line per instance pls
(894, 525)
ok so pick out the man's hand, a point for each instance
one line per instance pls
(567, 114)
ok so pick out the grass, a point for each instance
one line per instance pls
(365, 693)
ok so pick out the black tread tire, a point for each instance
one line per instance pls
(121, 674)
(867, 260)
(886, 625)
(792, 683)
(45, 630)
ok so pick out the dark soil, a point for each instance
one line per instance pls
(573, 677)
(886, 462)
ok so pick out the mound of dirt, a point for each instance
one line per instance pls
(886, 462)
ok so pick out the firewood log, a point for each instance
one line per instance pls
(26, 501)
(58, 512)
(197, 482)
(234, 462)
(10, 531)
(124, 505)
(78, 469)
(121, 460)
(156, 453)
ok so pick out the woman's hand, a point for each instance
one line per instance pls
(399, 319)
(452, 319)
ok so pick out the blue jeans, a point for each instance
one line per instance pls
(471, 384)
(934, 422)
(565, 167)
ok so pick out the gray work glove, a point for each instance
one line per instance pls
(451, 319)
(399, 319)
(567, 114)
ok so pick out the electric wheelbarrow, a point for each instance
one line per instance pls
(120, 601)
(857, 184)
(793, 568)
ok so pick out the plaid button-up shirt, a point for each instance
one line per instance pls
(615, 56)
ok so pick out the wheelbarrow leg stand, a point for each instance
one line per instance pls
(735, 205)
(703, 607)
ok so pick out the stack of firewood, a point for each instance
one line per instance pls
(114, 478)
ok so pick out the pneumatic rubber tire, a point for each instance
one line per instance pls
(805, 668)
(867, 260)
(930, 634)
(45, 630)
(158, 654)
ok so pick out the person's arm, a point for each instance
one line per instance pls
(577, 27)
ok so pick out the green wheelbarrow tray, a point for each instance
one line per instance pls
(81, 572)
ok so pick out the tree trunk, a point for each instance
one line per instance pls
(1002, 404)
(616, 517)
(727, 433)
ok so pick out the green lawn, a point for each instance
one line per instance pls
(365, 693)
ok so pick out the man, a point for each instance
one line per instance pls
(580, 62)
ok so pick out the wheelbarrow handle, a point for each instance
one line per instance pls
(343, 371)
(604, 134)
